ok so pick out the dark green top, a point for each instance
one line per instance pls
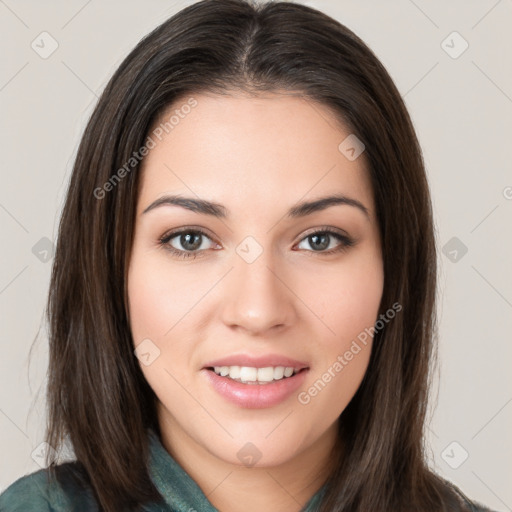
(33, 492)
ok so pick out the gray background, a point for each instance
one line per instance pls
(461, 106)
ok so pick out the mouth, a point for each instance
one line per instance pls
(256, 376)
(255, 382)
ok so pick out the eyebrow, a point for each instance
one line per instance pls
(218, 210)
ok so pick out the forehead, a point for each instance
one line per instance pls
(245, 151)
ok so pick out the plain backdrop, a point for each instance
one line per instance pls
(451, 61)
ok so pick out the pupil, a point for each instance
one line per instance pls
(186, 242)
(320, 241)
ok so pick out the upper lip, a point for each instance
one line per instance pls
(257, 361)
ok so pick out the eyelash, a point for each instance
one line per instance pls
(346, 242)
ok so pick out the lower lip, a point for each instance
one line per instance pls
(256, 396)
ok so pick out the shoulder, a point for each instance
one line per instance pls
(471, 505)
(28, 493)
(40, 492)
(478, 507)
(474, 506)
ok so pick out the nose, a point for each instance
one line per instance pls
(258, 298)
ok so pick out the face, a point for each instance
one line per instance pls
(253, 286)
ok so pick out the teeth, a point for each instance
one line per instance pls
(248, 374)
(233, 372)
(278, 372)
(266, 374)
(288, 372)
(252, 375)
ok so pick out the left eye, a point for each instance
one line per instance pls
(323, 241)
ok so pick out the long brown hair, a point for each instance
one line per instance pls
(97, 396)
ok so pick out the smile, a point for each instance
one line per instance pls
(252, 375)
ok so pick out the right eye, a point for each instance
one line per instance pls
(186, 243)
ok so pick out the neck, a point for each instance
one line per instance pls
(286, 487)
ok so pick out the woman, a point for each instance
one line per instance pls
(242, 303)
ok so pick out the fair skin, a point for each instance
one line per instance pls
(258, 157)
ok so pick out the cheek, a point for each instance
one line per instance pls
(158, 303)
(154, 310)
(331, 388)
(347, 300)
(165, 308)
(159, 297)
(147, 301)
